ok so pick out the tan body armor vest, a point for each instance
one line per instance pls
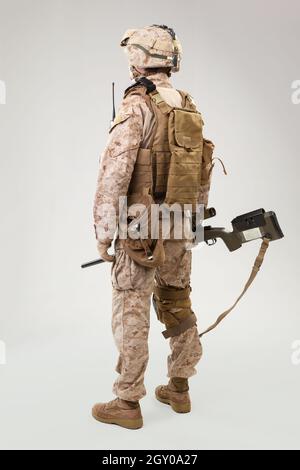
(176, 167)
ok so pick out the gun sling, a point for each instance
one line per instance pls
(257, 264)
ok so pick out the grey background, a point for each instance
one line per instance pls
(58, 59)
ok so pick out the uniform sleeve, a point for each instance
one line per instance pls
(116, 165)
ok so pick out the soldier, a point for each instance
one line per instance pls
(136, 160)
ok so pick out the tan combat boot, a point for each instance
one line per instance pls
(121, 412)
(175, 394)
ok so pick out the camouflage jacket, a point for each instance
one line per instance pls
(129, 131)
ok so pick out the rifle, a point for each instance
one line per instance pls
(246, 227)
(250, 226)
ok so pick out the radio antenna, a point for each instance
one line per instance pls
(113, 101)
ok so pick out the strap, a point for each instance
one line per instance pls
(160, 102)
(222, 163)
(187, 100)
(147, 52)
(213, 165)
(165, 293)
(257, 264)
(181, 327)
(141, 82)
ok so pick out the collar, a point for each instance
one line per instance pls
(160, 79)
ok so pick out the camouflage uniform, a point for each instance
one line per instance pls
(133, 283)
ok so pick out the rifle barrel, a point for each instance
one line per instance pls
(92, 263)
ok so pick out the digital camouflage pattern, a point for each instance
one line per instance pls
(132, 288)
(151, 47)
(133, 283)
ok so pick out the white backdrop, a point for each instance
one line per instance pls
(57, 61)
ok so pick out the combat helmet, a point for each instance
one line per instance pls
(154, 46)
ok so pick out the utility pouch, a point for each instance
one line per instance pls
(186, 146)
(206, 174)
(139, 245)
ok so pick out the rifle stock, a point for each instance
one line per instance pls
(246, 227)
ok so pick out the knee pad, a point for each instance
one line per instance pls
(173, 308)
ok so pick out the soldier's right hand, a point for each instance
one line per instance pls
(103, 251)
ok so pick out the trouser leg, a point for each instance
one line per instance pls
(186, 352)
(186, 349)
(132, 288)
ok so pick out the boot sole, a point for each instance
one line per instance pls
(177, 407)
(124, 423)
